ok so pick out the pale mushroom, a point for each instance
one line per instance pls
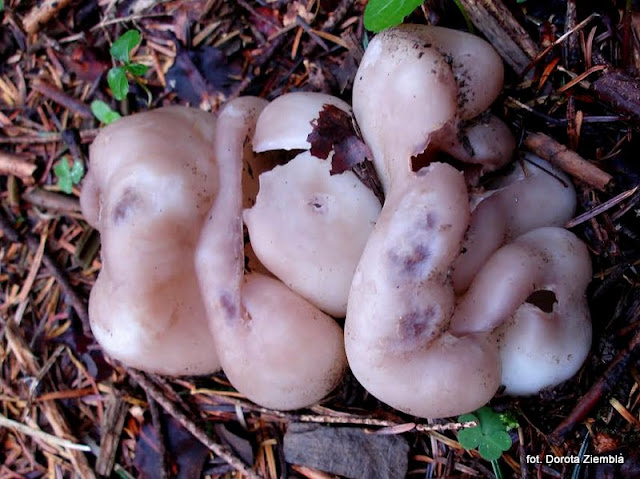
(533, 195)
(409, 340)
(308, 227)
(533, 291)
(431, 78)
(151, 181)
(275, 347)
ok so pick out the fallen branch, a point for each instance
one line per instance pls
(54, 93)
(43, 436)
(567, 160)
(52, 201)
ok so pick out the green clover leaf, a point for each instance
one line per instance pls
(103, 112)
(381, 14)
(117, 80)
(68, 176)
(123, 46)
(490, 436)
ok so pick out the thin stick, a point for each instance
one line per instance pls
(567, 160)
(87, 136)
(62, 98)
(559, 40)
(607, 205)
(44, 436)
(221, 450)
(16, 166)
(342, 418)
(51, 200)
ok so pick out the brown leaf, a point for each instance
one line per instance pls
(334, 130)
(332, 126)
(348, 153)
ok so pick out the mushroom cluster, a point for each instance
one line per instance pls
(449, 290)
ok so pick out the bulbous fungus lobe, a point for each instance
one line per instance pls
(308, 227)
(442, 343)
(151, 181)
(275, 347)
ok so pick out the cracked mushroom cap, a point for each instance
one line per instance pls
(308, 226)
(429, 77)
(275, 347)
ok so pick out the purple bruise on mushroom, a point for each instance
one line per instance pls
(151, 182)
(449, 290)
(444, 294)
(274, 346)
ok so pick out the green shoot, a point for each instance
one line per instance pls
(1, 5)
(68, 176)
(381, 14)
(103, 112)
(490, 436)
(121, 53)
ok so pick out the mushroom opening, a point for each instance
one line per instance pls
(543, 299)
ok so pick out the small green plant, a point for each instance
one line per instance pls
(68, 175)
(381, 14)
(103, 112)
(490, 436)
(121, 53)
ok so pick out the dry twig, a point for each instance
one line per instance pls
(14, 165)
(221, 450)
(41, 14)
(567, 160)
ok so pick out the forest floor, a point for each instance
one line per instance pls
(66, 408)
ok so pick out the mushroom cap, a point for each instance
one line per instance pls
(151, 180)
(309, 228)
(402, 93)
(274, 346)
(485, 141)
(540, 344)
(287, 354)
(542, 348)
(476, 65)
(427, 76)
(285, 123)
(533, 195)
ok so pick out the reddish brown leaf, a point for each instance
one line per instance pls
(332, 126)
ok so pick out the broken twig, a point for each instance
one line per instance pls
(567, 160)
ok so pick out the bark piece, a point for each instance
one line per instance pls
(348, 452)
(503, 31)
